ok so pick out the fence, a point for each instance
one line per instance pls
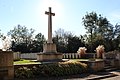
(65, 55)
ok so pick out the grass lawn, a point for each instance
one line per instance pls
(75, 60)
(23, 61)
(83, 59)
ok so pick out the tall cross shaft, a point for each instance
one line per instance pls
(50, 14)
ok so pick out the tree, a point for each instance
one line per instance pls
(74, 43)
(21, 38)
(37, 44)
(67, 42)
(60, 40)
(4, 41)
(98, 29)
(89, 21)
(116, 35)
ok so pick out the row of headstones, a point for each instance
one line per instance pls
(78, 56)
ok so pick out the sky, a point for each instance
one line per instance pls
(68, 14)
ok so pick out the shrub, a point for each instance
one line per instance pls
(23, 72)
(82, 51)
(53, 69)
(100, 51)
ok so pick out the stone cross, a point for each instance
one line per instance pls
(50, 14)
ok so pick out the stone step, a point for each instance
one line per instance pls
(102, 77)
(106, 67)
(115, 72)
(109, 68)
(107, 64)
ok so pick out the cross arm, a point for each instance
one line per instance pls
(53, 14)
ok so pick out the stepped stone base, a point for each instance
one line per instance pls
(49, 56)
(49, 53)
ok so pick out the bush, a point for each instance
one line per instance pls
(54, 69)
(23, 72)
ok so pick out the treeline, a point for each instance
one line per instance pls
(99, 31)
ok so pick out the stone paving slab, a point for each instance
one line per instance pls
(114, 72)
(112, 78)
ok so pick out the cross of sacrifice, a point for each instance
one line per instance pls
(50, 14)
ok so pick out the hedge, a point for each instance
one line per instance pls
(49, 70)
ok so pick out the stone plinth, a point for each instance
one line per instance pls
(49, 48)
(49, 53)
(49, 56)
(6, 65)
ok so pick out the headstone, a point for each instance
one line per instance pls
(49, 49)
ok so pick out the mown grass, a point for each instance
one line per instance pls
(84, 59)
(23, 61)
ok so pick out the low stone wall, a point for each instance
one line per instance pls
(113, 58)
(115, 63)
(95, 65)
(6, 65)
